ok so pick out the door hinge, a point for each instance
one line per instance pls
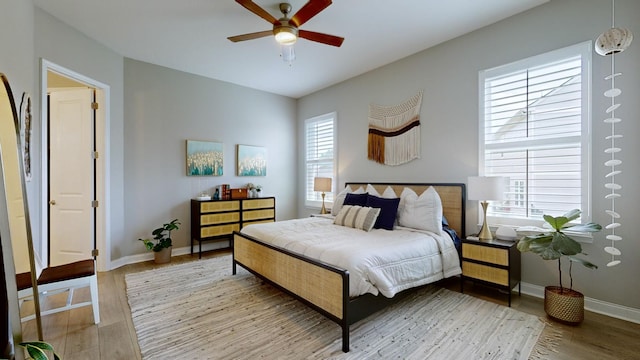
(95, 252)
(94, 203)
(95, 155)
(94, 105)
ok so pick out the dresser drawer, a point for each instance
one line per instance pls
(258, 203)
(219, 206)
(221, 218)
(486, 254)
(246, 223)
(486, 273)
(258, 214)
(218, 230)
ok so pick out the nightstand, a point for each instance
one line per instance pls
(494, 263)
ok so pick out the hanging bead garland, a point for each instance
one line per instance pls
(611, 42)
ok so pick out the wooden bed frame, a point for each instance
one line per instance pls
(325, 287)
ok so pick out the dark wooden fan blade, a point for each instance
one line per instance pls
(251, 36)
(254, 8)
(321, 38)
(309, 10)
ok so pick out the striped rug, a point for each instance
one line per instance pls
(198, 310)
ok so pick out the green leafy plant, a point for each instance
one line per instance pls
(554, 244)
(38, 350)
(161, 236)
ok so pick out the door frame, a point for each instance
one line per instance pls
(102, 225)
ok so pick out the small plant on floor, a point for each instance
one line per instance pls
(161, 236)
(38, 350)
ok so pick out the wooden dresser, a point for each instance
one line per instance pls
(495, 263)
(216, 220)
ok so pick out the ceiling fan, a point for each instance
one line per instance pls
(286, 30)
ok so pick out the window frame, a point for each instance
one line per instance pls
(315, 202)
(583, 50)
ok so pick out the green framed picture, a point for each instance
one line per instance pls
(204, 158)
(252, 160)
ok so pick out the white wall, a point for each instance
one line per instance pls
(163, 109)
(16, 62)
(448, 73)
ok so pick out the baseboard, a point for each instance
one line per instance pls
(186, 250)
(597, 306)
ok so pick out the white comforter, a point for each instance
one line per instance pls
(379, 261)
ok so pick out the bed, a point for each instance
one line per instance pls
(316, 280)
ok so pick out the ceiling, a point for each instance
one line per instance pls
(191, 35)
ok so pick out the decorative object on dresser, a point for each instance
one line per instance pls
(253, 190)
(216, 220)
(611, 42)
(161, 243)
(322, 184)
(252, 160)
(560, 303)
(494, 263)
(240, 193)
(204, 158)
(485, 188)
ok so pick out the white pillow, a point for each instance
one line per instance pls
(339, 200)
(371, 190)
(422, 212)
(358, 217)
(387, 194)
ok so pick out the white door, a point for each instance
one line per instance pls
(71, 176)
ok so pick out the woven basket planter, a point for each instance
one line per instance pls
(566, 306)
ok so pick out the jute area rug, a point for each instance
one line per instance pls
(198, 310)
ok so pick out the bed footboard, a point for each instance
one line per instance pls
(321, 286)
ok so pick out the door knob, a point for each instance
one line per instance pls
(52, 202)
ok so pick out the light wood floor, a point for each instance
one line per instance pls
(74, 336)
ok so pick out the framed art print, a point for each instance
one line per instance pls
(252, 160)
(25, 134)
(204, 158)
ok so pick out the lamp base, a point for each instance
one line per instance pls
(323, 210)
(485, 232)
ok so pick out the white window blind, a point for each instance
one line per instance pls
(320, 156)
(535, 129)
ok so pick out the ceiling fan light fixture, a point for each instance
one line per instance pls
(286, 34)
(288, 53)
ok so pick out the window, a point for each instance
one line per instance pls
(535, 129)
(320, 140)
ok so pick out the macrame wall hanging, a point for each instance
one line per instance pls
(394, 132)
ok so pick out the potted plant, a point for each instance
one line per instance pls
(161, 242)
(38, 350)
(561, 303)
(254, 190)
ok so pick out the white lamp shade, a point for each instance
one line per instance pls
(322, 184)
(487, 187)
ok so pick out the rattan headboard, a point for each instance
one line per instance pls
(451, 194)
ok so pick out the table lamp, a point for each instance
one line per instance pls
(322, 184)
(484, 188)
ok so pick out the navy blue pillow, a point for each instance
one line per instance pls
(388, 211)
(356, 199)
